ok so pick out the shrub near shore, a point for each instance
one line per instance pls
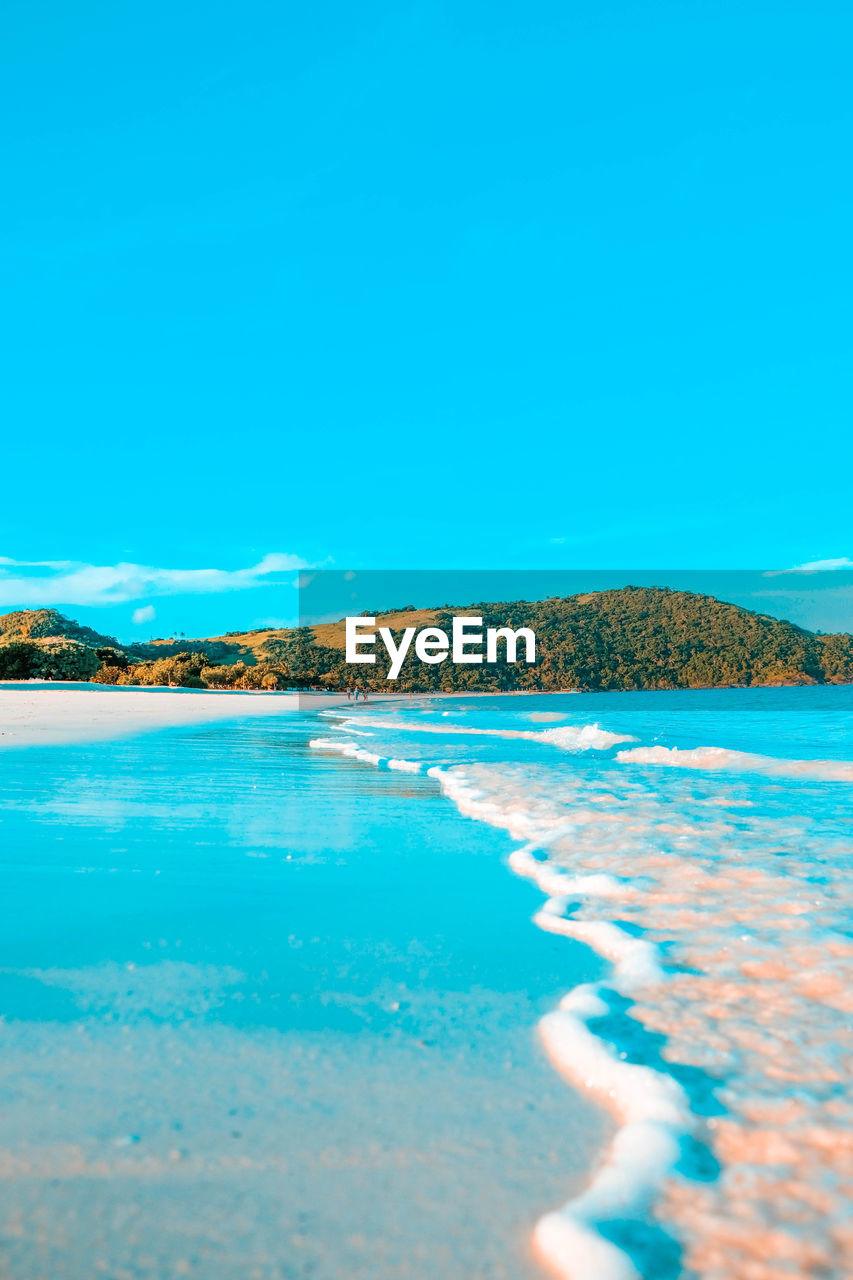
(28, 660)
(57, 660)
(193, 671)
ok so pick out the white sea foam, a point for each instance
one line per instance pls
(752, 997)
(724, 759)
(636, 962)
(654, 1114)
(345, 749)
(353, 752)
(722, 911)
(653, 1111)
(559, 884)
(652, 1108)
(585, 737)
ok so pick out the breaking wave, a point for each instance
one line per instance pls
(354, 752)
(724, 759)
(586, 737)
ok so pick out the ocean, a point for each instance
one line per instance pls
(269, 1014)
(450, 987)
(700, 842)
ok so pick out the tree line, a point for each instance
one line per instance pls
(633, 638)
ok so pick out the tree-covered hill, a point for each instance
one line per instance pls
(632, 638)
(49, 624)
(42, 644)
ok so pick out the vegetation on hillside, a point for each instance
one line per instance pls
(55, 659)
(627, 639)
(47, 624)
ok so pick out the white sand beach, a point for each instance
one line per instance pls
(47, 715)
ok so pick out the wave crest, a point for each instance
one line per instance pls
(723, 759)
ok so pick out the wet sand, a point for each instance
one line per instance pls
(35, 714)
(270, 1015)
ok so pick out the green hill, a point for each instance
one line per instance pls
(632, 638)
(49, 624)
(629, 639)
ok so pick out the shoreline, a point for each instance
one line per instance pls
(244, 1056)
(58, 714)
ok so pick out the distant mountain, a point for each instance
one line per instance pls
(51, 626)
(632, 638)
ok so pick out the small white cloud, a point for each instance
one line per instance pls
(819, 566)
(64, 582)
(146, 614)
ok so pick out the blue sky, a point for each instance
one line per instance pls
(418, 285)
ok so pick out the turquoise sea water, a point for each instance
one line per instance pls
(266, 1014)
(700, 842)
(274, 1004)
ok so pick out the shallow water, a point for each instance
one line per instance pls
(700, 841)
(266, 1014)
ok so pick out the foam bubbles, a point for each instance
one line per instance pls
(718, 888)
(724, 912)
(585, 737)
(354, 752)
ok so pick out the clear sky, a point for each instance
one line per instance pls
(418, 285)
